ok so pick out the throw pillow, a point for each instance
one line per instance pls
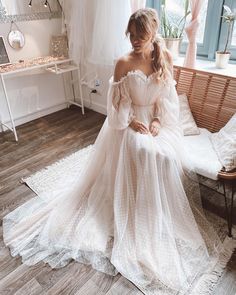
(224, 143)
(187, 121)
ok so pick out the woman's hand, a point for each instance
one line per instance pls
(139, 127)
(154, 127)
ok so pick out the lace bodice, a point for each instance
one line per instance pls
(136, 90)
(143, 90)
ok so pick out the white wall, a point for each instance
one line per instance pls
(97, 102)
(37, 38)
(32, 95)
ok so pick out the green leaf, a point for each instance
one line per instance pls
(163, 2)
(228, 10)
(170, 29)
(186, 6)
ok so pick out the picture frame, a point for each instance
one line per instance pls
(59, 46)
(4, 58)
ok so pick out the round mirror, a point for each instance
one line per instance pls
(16, 39)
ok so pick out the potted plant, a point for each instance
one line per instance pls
(222, 57)
(172, 31)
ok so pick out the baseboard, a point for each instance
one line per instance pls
(35, 115)
(97, 107)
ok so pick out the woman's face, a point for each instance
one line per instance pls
(140, 42)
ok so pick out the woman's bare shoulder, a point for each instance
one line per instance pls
(122, 67)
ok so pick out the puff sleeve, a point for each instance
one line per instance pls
(119, 104)
(168, 106)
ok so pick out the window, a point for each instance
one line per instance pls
(233, 43)
(175, 11)
(212, 31)
(223, 32)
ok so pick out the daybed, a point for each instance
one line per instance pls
(212, 100)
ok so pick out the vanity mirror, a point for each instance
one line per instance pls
(25, 10)
(16, 38)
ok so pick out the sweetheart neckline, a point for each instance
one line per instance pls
(137, 72)
(141, 72)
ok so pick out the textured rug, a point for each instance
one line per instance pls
(59, 174)
(65, 171)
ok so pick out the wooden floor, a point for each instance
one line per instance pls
(41, 143)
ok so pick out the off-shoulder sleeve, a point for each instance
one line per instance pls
(119, 104)
(168, 106)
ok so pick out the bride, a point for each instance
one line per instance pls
(136, 208)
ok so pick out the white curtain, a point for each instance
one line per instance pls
(137, 4)
(11, 7)
(96, 29)
(108, 35)
(191, 31)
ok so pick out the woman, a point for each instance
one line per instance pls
(135, 209)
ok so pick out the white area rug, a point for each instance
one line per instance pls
(59, 174)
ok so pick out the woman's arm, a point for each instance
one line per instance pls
(121, 70)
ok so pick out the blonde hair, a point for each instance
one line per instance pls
(146, 22)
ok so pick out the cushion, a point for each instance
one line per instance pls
(189, 126)
(202, 154)
(224, 143)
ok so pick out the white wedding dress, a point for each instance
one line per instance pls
(135, 209)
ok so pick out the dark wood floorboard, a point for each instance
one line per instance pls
(41, 143)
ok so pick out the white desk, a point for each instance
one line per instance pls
(53, 66)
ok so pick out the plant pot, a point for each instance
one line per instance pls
(173, 45)
(222, 59)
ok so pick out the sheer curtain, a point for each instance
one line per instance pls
(137, 4)
(191, 31)
(108, 34)
(11, 7)
(96, 29)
